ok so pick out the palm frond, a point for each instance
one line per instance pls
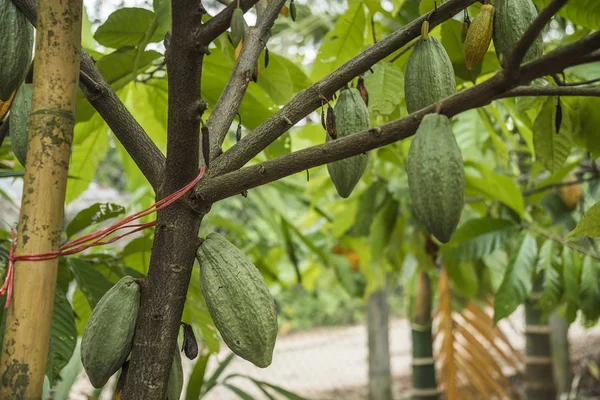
(472, 356)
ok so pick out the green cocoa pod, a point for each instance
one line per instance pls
(429, 75)
(19, 121)
(16, 42)
(175, 385)
(238, 27)
(436, 177)
(351, 116)
(108, 336)
(238, 300)
(512, 19)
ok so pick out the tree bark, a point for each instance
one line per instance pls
(380, 377)
(27, 333)
(175, 241)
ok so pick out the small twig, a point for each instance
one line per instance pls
(540, 232)
(520, 91)
(530, 35)
(373, 29)
(404, 50)
(582, 83)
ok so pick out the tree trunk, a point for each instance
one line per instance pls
(423, 365)
(539, 384)
(380, 377)
(561, 358)
(28, 322)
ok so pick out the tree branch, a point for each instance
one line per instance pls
(310, 99)
(233, 183)
(132, 136)
(531, 34)
(174, 247)
(584, 91)
(227, 106)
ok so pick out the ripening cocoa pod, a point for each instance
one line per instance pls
(479, 36)
(570, 195)
(238, 26)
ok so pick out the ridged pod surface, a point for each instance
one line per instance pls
(175, 384)
(436, 177)
(16, 45)
(512, 19)
(351, 116)
(479, 36)
(238, 300)
(20, 112)
(429, 75)
(108, 336)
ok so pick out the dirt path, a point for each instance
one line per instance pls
(327, 364)
(331, 363)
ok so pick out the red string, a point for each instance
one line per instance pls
(97, 238)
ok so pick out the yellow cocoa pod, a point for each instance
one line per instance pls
(479, 36)
(284, 11)
(570, 195)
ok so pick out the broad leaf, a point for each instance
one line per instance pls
(382, 227)
(63, 337)
(517, 283)
(551, 147)
(384, 86)
(68, 375)
(463, 276)
(162, 9)
(477, 238)
(194, 388)
(590, 288)
(496, 187)
(127, 27)
(552, 285)
(589, 225)
(590, 121)
(94, 214)
(571, 263)
(91, 282)
(89, 146)
(343, 42)
(581, 12)
(276, 79)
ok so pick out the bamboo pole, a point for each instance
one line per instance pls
(26, 339)
(423, 364)
(539, 382)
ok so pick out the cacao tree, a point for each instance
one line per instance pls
(518, 119)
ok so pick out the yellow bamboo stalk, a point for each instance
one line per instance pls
(55, 82)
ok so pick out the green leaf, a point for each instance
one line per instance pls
(343, 42)
(552, 285)
(212, 381)
(127, 27)
(496, 187)
(276, 78)
(196, 381)
(91, 282)
(589, 225)
(384, 85)
(137, 254)
(162, 9)
(571, 263)
(241, 394)
(94, 214)
(590, 120)
(87, 38)
(552, 148)
(477, 238)
(381, 229)
(89, 146)
(367, 206)
(116, 68)
(288, 395)
(581, 12)
(517, 282)
(464, 277)
(63, 337)
(590, 288)
(68, 375)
